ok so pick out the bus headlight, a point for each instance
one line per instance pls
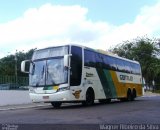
(63, 89)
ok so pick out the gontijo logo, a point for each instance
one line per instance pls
(126, 77)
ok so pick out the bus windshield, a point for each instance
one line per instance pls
(47, 67)
(48, 72)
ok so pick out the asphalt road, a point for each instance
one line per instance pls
(144, 110)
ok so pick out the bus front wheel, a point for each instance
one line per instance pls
(56, 104)
(89, 98)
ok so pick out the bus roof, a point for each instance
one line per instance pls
(91, 49)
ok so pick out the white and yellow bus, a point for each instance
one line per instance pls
(73, 73)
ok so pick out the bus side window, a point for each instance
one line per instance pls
(76, 66)
(133, 68)
(89, 58)
(120, 65)
(138, 71)
(106, 62)
(127, 67)
(112, 63)
(98, 60)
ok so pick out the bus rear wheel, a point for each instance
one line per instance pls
(56, 104)
(134, 95)
(129, 95)
(89, 98)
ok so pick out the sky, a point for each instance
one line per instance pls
(99, 24)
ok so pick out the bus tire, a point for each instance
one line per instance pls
(56, 104)
(129, 95)
(89, 98)
(103, 101)
(134, 94)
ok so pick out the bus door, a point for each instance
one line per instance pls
(76, 72)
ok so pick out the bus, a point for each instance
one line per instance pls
(73, 73)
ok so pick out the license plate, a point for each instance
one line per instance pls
(45, 97)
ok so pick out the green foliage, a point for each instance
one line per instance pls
(145, 51)
(8, 63)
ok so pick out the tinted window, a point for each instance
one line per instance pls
(99, 60)
(120, 65)
(127, 67)
(76, 66)
(89, 58)
(135, 68)
(112, 63)
(106, 62)
(93, 59)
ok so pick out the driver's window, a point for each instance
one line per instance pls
(76, 66)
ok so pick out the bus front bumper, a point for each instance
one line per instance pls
(63, 96)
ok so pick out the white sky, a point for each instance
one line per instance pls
(51, 25)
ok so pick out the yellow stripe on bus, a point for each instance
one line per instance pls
(122, 88)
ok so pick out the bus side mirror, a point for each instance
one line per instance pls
(25, 66)
(66, 60)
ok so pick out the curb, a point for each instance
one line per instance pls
(22, 106)
(150, 94)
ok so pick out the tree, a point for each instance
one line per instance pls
(7, 64)
(146, 52)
